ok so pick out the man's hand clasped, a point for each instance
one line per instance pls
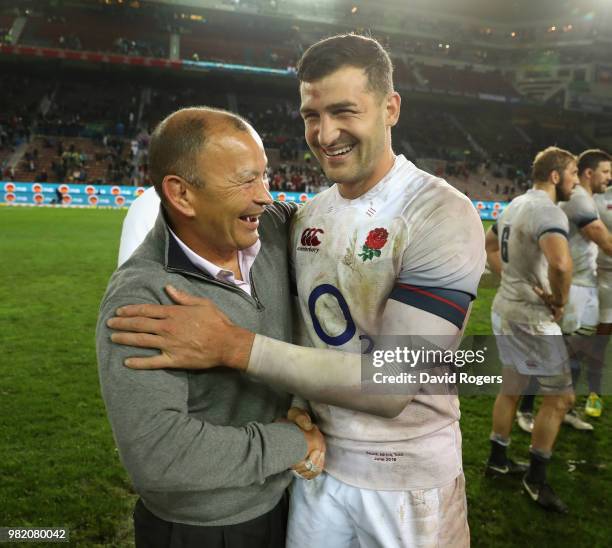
(314, 462)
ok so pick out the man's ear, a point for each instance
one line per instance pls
(394, 102)
(178, 194)
(555, 177)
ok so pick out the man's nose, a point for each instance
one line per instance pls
(262, 195)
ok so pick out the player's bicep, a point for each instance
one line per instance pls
(595, 231)
(555, 246)
(425, 311)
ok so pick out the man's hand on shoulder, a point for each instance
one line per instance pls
(193, 334)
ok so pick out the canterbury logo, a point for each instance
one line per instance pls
(309, 237)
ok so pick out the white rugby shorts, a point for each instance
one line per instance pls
(327, 512)
(581, 311)
(532, 349)
(604, 290)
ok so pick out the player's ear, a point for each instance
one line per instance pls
(555, 176)
(394, 102)
(178, 194)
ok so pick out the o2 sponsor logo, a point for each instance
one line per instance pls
(349, 330)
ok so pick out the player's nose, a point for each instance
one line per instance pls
(328, 132)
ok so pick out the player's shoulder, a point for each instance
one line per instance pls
(318, 203)
(430, 196)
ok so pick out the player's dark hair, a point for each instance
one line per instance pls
(548, 160)
(348, 50)
(591, 158)
(178, 139)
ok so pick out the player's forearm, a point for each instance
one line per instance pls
(560, 281)
(321, 375)
(607, 246)
(494, 261)
(235, 343)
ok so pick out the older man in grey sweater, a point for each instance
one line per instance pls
(205, 450)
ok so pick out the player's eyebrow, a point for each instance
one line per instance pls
(334, 106)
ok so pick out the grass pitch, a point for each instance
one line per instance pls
(58, 463)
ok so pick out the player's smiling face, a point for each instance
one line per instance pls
(234, 194)
(348, 128)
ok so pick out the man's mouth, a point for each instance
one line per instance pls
(251, 221)
(340, 152)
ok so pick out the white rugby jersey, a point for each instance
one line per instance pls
(412, 238)
(581, 211)
(524, 265)
(604, 206)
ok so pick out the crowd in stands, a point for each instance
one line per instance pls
(79, 132)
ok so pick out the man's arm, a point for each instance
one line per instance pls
(493, 251)
(165, 449)
(556, 250)
(598, 233)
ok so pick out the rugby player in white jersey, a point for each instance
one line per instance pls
(389, 249)
(594, 404)
(587, 234)
(528, 247)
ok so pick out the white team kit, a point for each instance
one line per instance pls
(415, 241)
(604, 261)
(528, 339)
(581, 312)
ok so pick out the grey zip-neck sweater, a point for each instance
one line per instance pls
(201, 447)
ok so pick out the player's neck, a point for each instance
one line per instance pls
(352, 191)
(549, 188)
(586, 185)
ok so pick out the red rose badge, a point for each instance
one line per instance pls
(375, 241)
